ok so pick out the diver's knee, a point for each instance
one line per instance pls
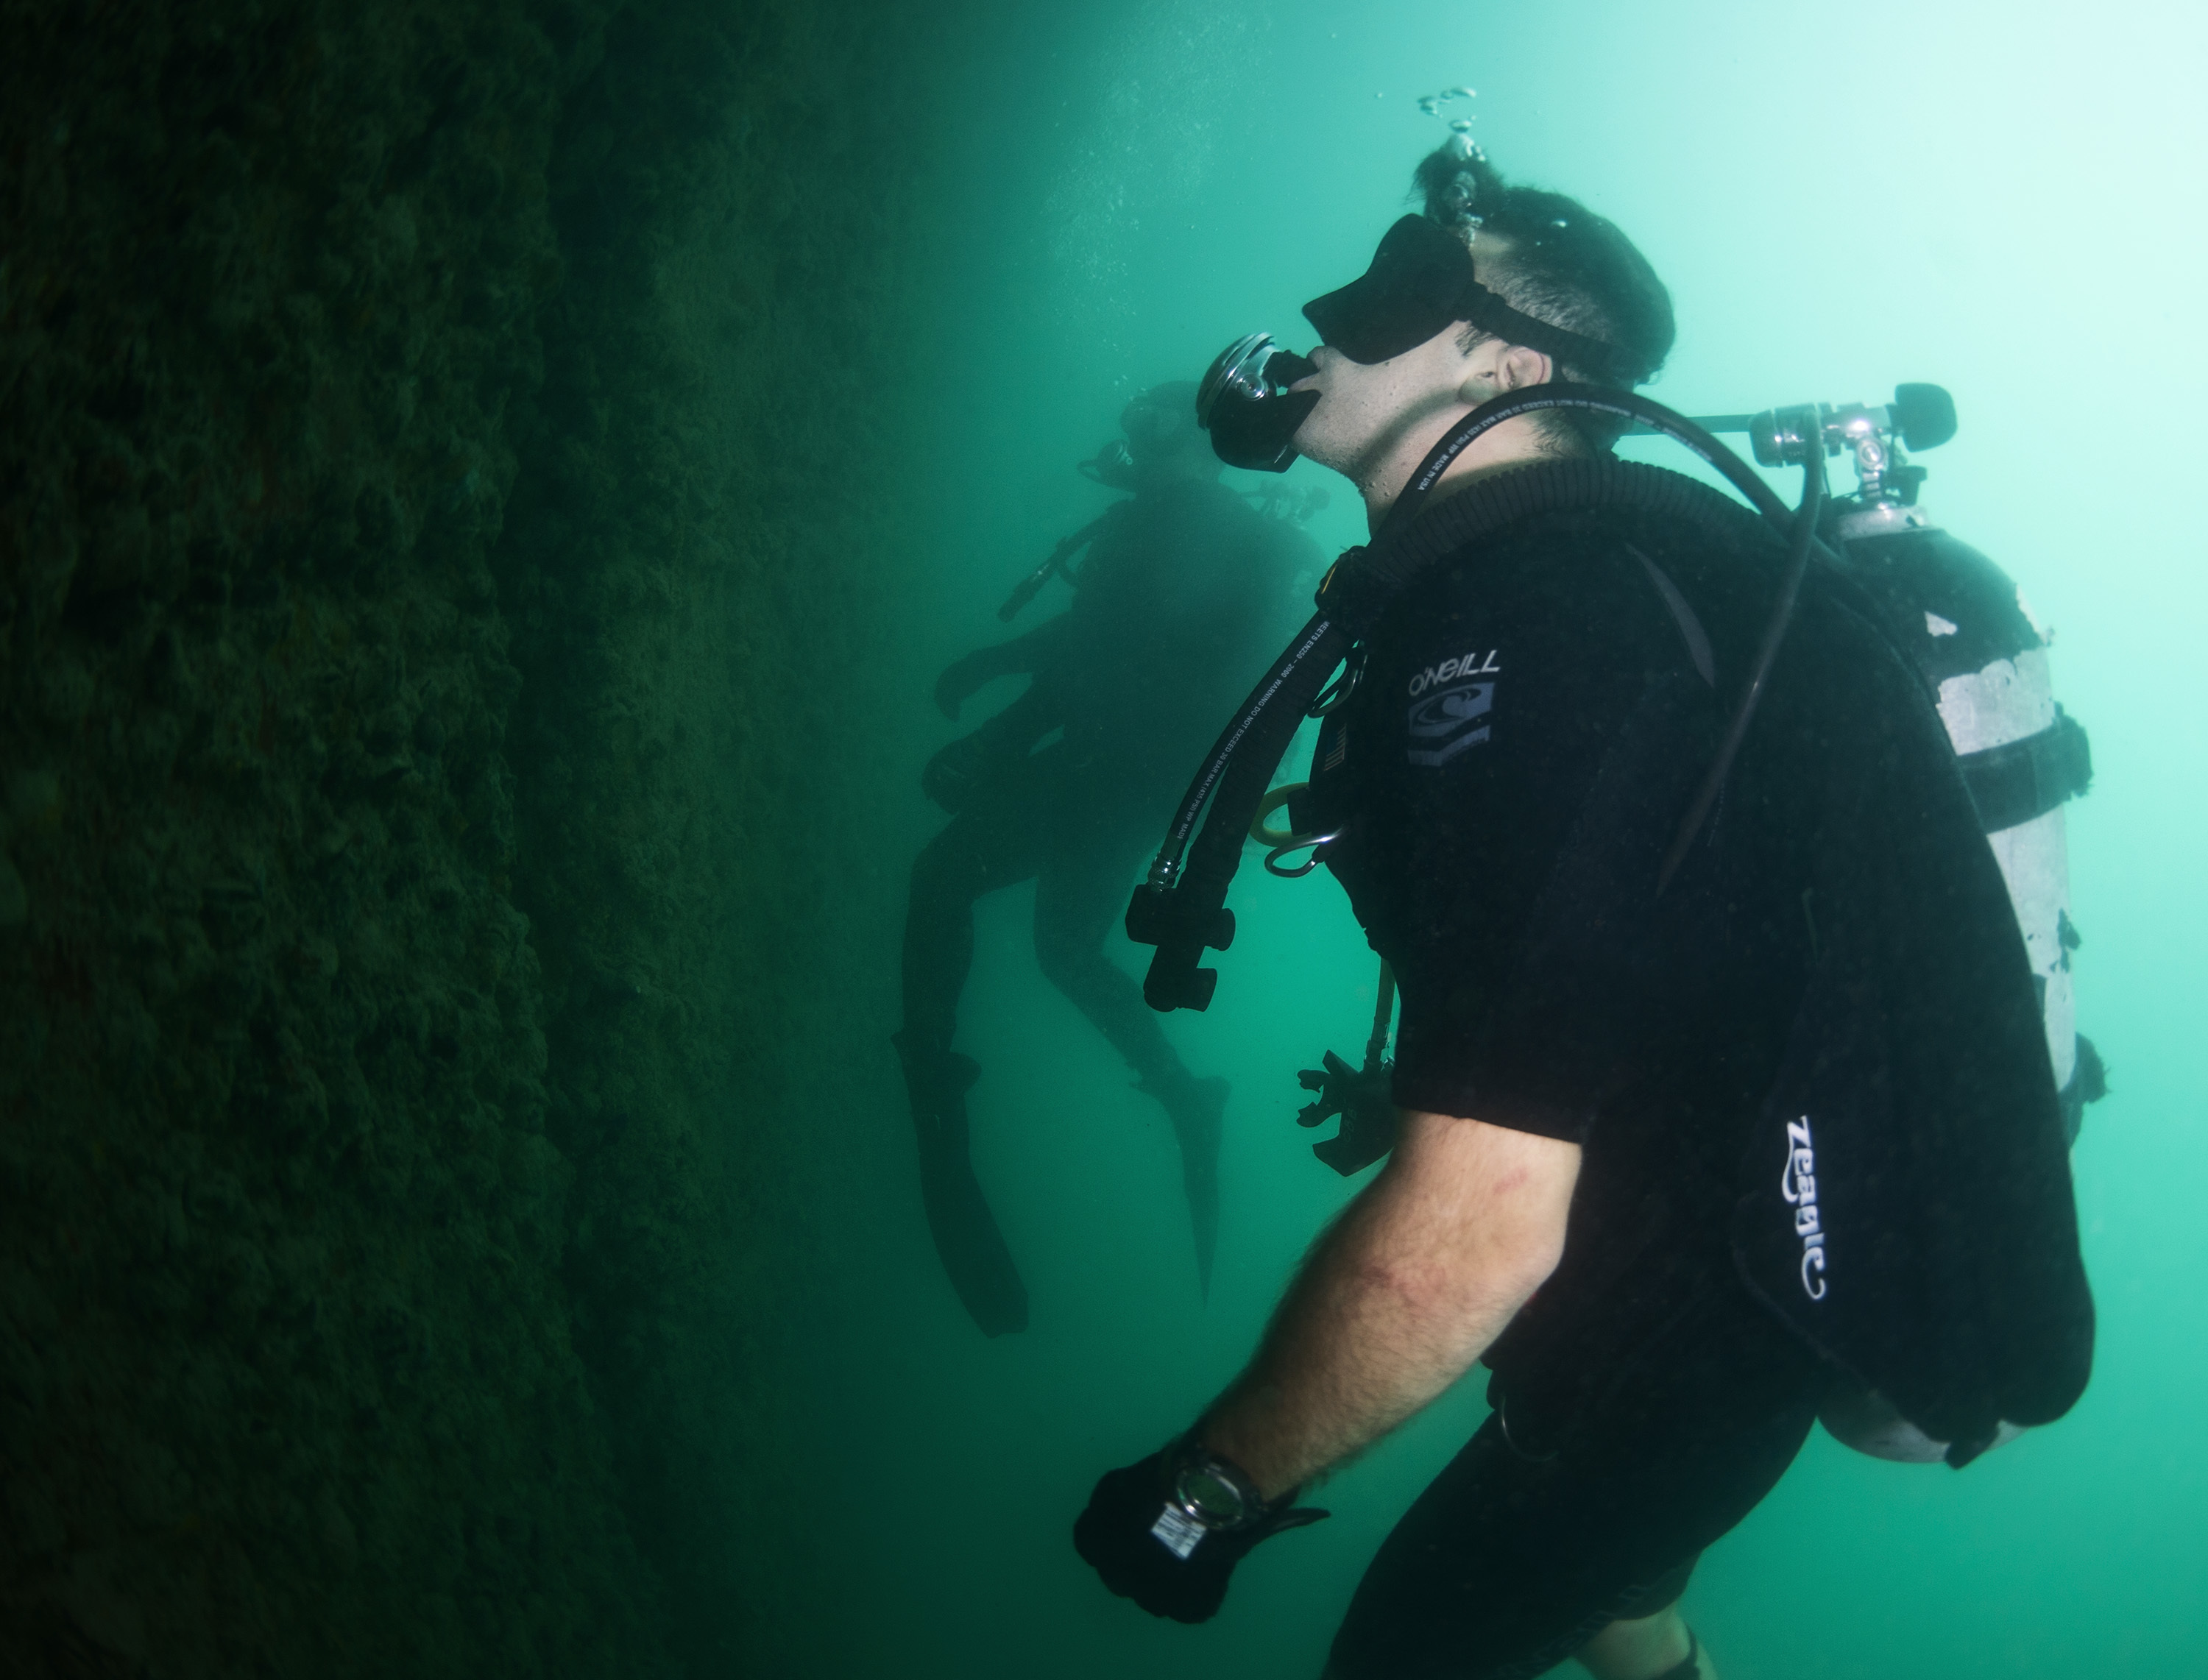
(947, 868)
(1657, 1646)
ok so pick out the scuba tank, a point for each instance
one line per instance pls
(1982, 657)
(1964, 625)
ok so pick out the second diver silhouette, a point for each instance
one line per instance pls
(1183, 585)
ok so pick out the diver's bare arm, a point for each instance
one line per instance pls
(1420, 1273)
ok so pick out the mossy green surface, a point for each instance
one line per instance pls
(691, 563)
(419, 506)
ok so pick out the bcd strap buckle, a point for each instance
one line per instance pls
(1352, 595)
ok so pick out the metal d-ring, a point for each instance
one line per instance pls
(1317, 842)
(1283, 841)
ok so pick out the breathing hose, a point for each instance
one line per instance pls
(1181, 909)
(1800, 541)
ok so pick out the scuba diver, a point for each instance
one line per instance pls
(1181, 590)
(1726, 1084)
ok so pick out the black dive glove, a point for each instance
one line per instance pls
(1168, 1532)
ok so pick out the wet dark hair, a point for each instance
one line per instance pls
(1563, 265)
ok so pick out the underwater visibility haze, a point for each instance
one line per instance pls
(487, 494)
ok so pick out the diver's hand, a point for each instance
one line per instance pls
(1114, 1538)
(954, 775)
(961, 676)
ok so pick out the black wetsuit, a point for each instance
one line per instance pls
(1179, 602)
(1532, 717)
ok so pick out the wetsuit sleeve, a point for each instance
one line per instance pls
(1532, 742)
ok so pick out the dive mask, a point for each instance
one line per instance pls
(1421, 284)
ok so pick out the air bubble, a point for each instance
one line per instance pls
(1432, 103)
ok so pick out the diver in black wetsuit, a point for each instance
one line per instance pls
(1174, 612)
(1724, 1083)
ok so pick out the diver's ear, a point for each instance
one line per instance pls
(1518, 367)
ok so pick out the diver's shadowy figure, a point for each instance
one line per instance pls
(1182, 587)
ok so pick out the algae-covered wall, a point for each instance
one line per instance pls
(694, 567)
(419, 498)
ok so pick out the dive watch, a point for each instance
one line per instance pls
(1204, 1494)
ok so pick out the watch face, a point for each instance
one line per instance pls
(1211, 1498)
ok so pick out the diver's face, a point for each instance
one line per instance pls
(1164, 447)
(1150, 435)
(1366, 411)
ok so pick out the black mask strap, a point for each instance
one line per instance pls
(1421, 283)
(1488, 313)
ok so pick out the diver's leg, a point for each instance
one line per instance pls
(1080, 893)
(958, 866)
(1509, 1562)
(979, 852)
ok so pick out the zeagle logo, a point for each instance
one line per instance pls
(1797, 1183)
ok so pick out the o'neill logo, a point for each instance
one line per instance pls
(1465, 664)
(1797, 1183)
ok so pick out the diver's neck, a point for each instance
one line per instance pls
(1514, 444)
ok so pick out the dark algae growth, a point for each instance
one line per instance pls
(401, 566)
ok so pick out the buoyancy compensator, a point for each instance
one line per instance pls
(1982, 657)
(1963, 1312)
(1963, 628)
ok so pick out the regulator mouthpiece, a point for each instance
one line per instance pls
(1112, 467)
(1245, 404)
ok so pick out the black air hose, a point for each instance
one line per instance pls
(1317, 640)
(1620, 405)
(1182, 912)
(1800, 541)
(1181, 917)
